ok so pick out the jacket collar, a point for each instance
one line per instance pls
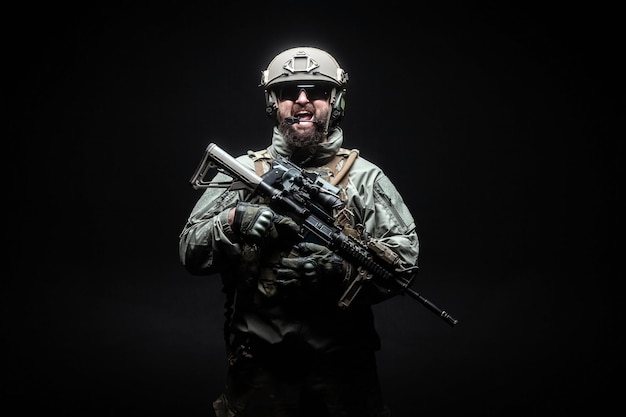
(316, 155)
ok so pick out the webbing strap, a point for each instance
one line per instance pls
(340, 165)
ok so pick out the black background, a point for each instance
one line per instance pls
(497, 123)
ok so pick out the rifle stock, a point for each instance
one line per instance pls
(309, 201)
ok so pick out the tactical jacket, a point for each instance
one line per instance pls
(208, 246)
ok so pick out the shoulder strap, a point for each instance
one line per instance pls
(261, 160)
(340, 165)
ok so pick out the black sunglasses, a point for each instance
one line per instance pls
(313, 92)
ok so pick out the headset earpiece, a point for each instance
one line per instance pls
(338, 107)
(270, 105)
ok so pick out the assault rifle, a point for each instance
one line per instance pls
(311, 202)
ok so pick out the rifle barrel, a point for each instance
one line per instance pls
(432, 307)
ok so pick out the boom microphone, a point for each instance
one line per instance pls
(293, 120)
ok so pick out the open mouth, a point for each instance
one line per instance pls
(304, 116)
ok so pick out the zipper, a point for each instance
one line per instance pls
(390, 205)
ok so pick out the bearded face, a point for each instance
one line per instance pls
(307, 107)
(303, 138)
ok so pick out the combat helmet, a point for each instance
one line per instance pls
(306, 65)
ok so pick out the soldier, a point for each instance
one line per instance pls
(292, 350)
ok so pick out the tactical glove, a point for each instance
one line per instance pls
(252, 220)
(313, 264)
(258, 221)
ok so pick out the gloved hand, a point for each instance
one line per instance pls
(253, 220)
(314, 264)
(258, 221)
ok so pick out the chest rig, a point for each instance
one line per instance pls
(334, 171)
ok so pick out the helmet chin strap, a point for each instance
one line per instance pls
(331, 102)
(326, 127)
